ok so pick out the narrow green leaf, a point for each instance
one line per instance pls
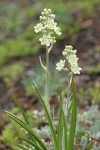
(70, 108)
(22, 111)
(64, 127)
(22, 147)
(59, 126)
(73, 119)
(31, 143)
(24, 115)
(54, 138)
(28, 128)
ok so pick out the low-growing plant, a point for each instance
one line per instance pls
(93, 69)
(8, 139)
(62, 129)
(16, 48)
(12, 18)
(88, 128)
(12, 72)
(91, 93)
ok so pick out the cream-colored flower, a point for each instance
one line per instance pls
(72, 59)
(46, 40)
(39, 27)
(43, 18)
(60, 65)
(51, 24)
(57, 30)
(75, 69)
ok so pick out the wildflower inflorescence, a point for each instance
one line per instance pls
(48, 27)
(70, 55)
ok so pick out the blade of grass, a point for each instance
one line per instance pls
(24, 115)
(54, 138)
(73, 120)
(28, 128)
(31, 143)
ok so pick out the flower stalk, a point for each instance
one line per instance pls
(47, 79)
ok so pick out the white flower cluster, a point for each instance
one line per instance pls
(47, 26)
(70, 55)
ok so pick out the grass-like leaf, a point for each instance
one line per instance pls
(70, 108)
(27, 128)
(22, 111)
(54, 137)
(22, 147)
(73, 119)
(59, 126)
(32, 144)
(64, 127)
(24, 115)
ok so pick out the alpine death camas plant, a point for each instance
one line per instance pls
(62, 133)
(47, 27)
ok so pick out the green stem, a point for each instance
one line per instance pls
(69, 86)
(68, 96)
(73, 119)
(47, 79)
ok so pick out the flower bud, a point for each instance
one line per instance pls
(75, 51)
(41, 18)
(69, 47)
(45, 10)
(52, 16)
(42, 13)
(49, 10)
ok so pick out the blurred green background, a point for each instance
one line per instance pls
(20, 50)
